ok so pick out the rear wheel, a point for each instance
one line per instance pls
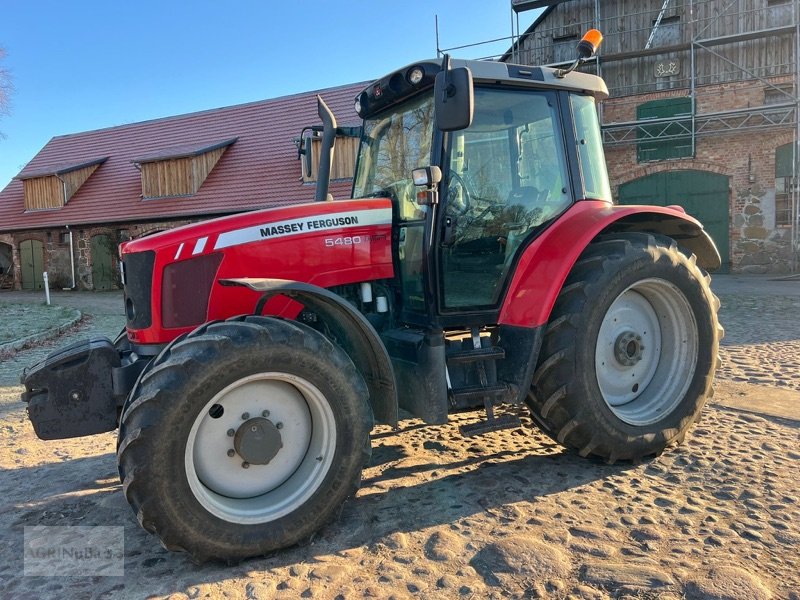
(629, 354)
(244, 437)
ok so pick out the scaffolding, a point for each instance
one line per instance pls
(715, 27)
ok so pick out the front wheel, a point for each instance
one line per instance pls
(630, 351)
(244, 437)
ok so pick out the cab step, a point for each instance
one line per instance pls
(464, 397)
(466, 356)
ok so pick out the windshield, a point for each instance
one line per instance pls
(393, 144)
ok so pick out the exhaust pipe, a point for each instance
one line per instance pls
(326, 150)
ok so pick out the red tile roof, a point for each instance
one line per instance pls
(259, 170)
(183, 151)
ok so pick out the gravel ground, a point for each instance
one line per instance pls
(509, 514)
(762, 330)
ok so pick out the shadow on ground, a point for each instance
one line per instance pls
(86, 491)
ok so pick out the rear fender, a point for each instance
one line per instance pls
(352, 331)
(545, 263)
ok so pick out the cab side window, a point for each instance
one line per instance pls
(507, 177)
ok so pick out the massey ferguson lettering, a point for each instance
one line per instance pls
(337, 222)
(300, 226)
(304, 225)
(281, 229)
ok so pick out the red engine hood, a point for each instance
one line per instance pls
(377, 210)
(323, 243)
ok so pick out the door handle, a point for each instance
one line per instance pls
(448, 232)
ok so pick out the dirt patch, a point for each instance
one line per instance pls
(510, 514)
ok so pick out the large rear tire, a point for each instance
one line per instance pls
(244, 437)
(630, 351)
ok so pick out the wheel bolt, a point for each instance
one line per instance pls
(245, 416)
(231, 433)
(231, 452)
(265, 413)
(279, 425)
(245, 465)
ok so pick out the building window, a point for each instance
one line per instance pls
(780, 13)
(344, 155)
(63, 238)
(179, 171)
(668, 32)
(670, 136)
(564, 48)
(785, 184)
(48, 188)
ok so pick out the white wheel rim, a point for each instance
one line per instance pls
(646, 351)
(261, 493)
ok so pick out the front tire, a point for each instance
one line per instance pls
(630, 351)
(244, 437)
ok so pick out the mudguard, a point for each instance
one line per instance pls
(352, 331)
(545, 263)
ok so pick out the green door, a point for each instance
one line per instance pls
(31, 264)
(102, 274)
(704, 195)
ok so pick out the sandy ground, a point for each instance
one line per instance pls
(507, 515)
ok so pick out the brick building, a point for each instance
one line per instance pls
(703, 110)
(82, 194)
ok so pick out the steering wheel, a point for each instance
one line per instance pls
(457, 203)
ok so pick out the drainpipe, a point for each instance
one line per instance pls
(71, 257)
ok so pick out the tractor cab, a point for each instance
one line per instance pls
(515, 146)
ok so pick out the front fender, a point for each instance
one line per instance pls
(353, 332)
(545, 263)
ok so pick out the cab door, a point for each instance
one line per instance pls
(507, 178)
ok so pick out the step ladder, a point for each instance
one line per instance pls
(490, 393)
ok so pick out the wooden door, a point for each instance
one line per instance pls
(704, 195)
(102, 273)
(31, 254)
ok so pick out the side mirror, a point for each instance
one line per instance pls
(429, 177)
(454, 99)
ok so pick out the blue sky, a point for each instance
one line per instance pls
(89, 64)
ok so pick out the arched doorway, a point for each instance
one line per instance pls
(31, 259)
(703, 194)
(102, 271)
(6, 266)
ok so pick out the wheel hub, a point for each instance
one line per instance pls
(646, 351)
(257, 441)
(628, 348)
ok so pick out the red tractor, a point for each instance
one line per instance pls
(480, 263)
